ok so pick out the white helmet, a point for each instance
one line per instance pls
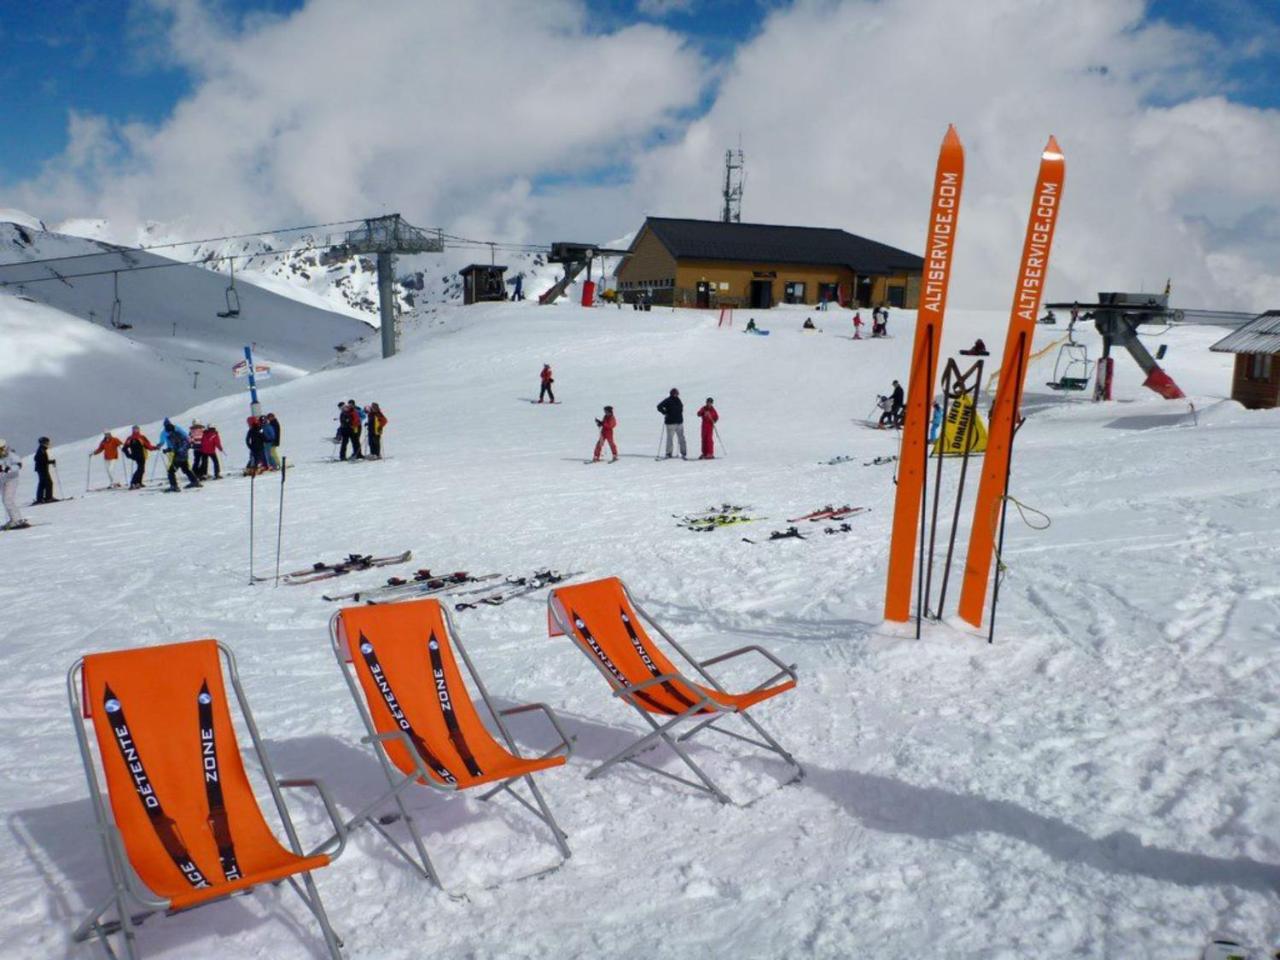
(4, 445)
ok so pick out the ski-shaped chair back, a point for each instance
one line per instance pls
(613, 631)
(404, 665)
(183, 813)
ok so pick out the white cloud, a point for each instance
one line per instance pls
(461, 115)
(662, 8)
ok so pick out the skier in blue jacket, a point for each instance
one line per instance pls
(935, 424)
(176, 443)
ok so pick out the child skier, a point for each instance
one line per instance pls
(110, 450)
(707, 414)
(857, 325)
(44, 479)
(547, 381)
(606, 425)
(135, 448)
(10, 468)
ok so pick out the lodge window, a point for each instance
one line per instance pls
(1259, 367)
(793, 291)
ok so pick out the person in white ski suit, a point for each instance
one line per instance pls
(10, 469)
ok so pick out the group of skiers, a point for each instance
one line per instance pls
(672, 410)
(893, 409)
(354, 422)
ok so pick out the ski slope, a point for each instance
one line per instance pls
(1099, 783)
(175, 350)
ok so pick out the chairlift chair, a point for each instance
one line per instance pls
(233, 297)
(117, 308)
(1072, 367)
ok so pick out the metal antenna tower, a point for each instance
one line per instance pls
(733, 173)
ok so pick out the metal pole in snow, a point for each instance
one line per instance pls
(284, 470)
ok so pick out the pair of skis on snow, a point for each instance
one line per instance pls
(422, 583)
(713, 518)
(340, 568)
(910, 505)
(517, 587)
(828, 513)
(847, 458)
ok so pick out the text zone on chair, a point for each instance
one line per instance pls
(400, 666)
(608, 626)
(185, 826)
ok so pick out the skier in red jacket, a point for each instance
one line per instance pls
(606, 425)
(707, 414)
(547, 381)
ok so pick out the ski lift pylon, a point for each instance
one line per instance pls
(233, 297)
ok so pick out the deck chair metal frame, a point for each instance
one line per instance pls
(398, 782)
(128, 890)
(664, 731)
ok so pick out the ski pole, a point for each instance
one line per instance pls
(284, 469)
(663, 433)
(723, 449)
(252, 476)
(88, 472)
(57, 482)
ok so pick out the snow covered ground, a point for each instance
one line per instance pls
(1099, 783)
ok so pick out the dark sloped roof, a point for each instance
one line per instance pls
(760, 242)
(1261, 335)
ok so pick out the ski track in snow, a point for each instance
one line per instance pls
(1096, 784)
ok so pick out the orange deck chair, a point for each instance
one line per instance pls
(184, 827)
(398, 660)
(608, 626)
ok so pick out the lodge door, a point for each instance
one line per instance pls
(704, 295)
(761, 294)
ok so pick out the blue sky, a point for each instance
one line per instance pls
(99, 56)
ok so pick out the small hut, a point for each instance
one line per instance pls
(1256, 382)
(482, 282)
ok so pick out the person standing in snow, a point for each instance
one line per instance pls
(547, 381)
(110, 450)
(10, 470)
(256, 441)
(196, 433)
(606, 424)
(269, 440)
(44, 479)
(176, 443)
(355, 426)
(707, 414)
(135, 448)
(377, 421)
(273, 451)
(210, 445)
(672, 410)
(857, 325)
(935, 421)
(898, 399)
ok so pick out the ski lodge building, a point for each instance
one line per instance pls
(709, 263)
(1256, 382)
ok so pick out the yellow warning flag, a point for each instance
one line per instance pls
(961, 423)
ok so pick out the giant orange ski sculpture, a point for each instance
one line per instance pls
(994, 484)
(939, 245)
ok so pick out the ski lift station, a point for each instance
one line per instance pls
(1256, 380)
(483, 282)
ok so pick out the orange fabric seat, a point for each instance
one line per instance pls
(609, 627)
(403, 663)
(157, 690)
(410, 649)
(605, 624)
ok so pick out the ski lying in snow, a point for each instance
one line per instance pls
(724, 508)
(518, 588)
(707, 524)
(826, 513)
(843, 458)
(791, 533)
(843, 528)
(353, 562)
(880, 461)
(416, 585)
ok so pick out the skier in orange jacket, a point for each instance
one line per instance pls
(110, 450)
(707, 414)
